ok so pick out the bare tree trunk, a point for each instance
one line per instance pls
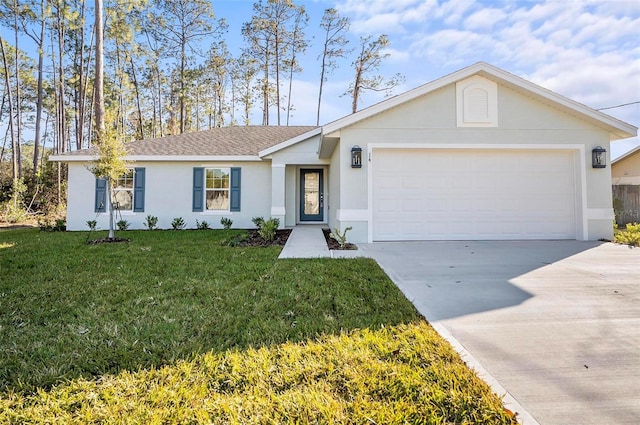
(159, 101)
(14, 151)
(79, 94)
(140, 132)
(181, 96)
(39, 104)
(62, 125)
(18, 97)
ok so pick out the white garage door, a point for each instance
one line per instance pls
(433, 194)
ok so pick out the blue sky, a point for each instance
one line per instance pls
(586, 50)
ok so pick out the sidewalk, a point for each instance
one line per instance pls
(306, 241)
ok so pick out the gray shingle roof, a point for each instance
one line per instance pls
(222, 141)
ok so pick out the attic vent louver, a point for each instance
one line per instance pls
(477, 102)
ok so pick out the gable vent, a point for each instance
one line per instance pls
(476, 105)
(477, 102)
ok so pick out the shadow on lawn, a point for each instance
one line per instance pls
(71, 311)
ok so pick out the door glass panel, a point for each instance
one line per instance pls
(311, 193)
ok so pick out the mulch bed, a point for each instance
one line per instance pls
(254, 238)
(107, 240)
(333, 244)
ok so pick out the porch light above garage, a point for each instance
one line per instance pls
(356, 157)
(599, 157)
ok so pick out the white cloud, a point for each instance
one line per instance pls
(484, 19)
(384, 16)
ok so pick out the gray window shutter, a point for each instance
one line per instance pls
(198, 189)
(101, 195)
(138, 190)
(234, 195)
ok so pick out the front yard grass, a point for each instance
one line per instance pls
(172, 327)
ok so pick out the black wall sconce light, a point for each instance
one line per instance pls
(599, 157)
(356, 157)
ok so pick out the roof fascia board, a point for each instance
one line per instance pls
(290, 142)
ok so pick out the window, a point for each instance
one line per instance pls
(123, 192)
(128, 194)
(217, 189)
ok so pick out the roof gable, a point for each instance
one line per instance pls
(617, 129)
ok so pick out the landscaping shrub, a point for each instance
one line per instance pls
(203, 225)
(629, 236)
(178, 223)
(151, 222)
(226, 223)
(268, 229)
(123, 225)
(340, 238)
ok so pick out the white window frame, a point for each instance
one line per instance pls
(227, 171)
(131, 189)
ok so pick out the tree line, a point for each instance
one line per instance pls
(167, 70)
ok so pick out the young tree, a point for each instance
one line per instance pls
(110, 163)
(368, 61)
(334, 28)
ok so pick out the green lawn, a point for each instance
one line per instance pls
(173, 327)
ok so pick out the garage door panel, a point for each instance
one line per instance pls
(455, 194)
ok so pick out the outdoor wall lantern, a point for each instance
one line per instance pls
(599, 157)
(356, 157)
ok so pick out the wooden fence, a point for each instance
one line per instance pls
(626, 203)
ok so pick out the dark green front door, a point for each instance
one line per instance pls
(311, 195)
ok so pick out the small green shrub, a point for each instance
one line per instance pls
(258, 221)
(123, 225)
(202, 225)
(226, 222)
(178, 223)
(341, 238)
(92, 225)
(151, 222)
(630, 236)
(52, 225)
(268, 229)
(14, 213)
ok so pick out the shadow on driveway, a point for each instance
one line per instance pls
(447, 279)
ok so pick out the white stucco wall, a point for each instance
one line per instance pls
(431, 120)
(300, 155)
(168, 194)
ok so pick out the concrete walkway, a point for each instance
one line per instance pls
(552, 325)
(306, 241)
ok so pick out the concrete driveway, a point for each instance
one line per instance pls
(555, 324)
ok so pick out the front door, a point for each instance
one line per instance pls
(311, 195)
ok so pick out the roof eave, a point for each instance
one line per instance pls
(162, 158)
